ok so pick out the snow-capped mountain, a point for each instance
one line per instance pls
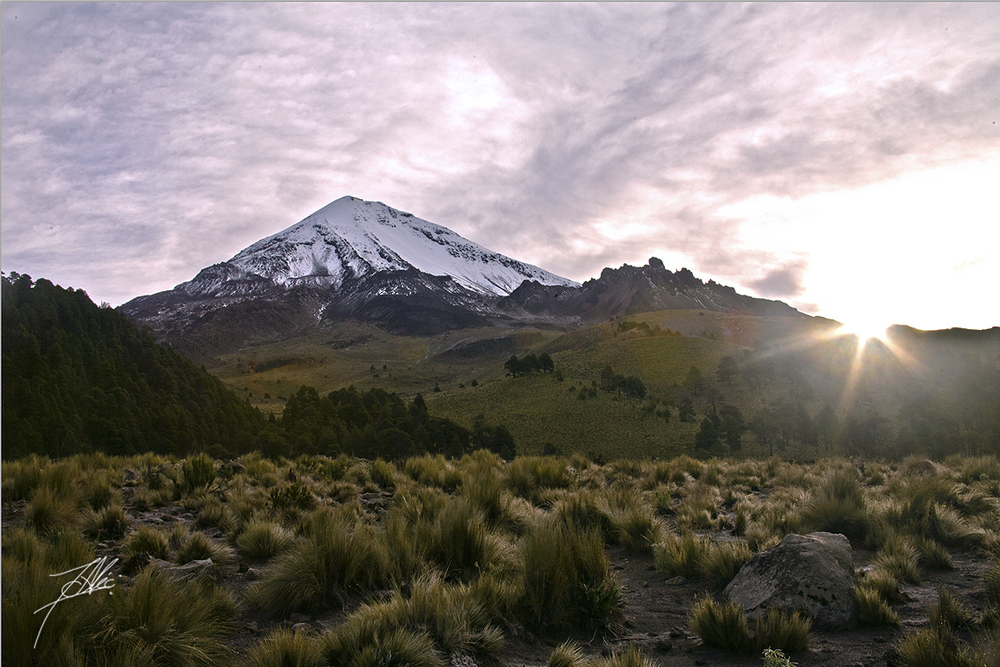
(351, 238)
(364, 261)
(350, 259)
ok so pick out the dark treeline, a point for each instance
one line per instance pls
(78, 378)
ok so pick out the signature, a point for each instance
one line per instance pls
(91, 578)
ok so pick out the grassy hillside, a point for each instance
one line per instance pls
(808, 389)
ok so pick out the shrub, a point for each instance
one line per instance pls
(775, 658)
(873, 609)
(284, 648)
(263, 539)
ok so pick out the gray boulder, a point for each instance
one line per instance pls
(813, 574)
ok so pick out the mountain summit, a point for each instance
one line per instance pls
(364, 261)
(350, 239)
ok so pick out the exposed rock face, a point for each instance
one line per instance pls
(812, 573)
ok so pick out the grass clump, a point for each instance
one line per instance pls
(950, 613)
(108, 523)
(178, 624)
(145, 540)
(198, 546)
(567, 654)
(285, 648)
(721, 625)
(873, 610)
(263, 539)
(899, 557)
(567, 579)
(838, 506)
(338, 557)
(934, 647)
(724, 625)
(50, 511)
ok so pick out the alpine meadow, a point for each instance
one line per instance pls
(501, 334)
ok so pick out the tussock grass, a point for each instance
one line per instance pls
(339, 556)
(567, 578)
(147, 540)
(838, 505)
(724, 625)
(285, 648)
(950, 613)
(567, 654)
(438, 616)
(934, 647)
(884, 583)
(992, 581)
(215, 513)
(462, 543)
(873, 609)
(50, 511)
(899, 557)
(630, 657)
(197, 546)
(180, 624)
(108, 523)
(721, 562)
(262, 539)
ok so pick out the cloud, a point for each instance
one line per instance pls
(144, 141)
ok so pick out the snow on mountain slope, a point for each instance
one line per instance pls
(350, 238)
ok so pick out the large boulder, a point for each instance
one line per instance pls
(813, 574)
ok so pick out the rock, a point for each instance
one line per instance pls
(195, 569)
(813, 574)
(253, 574)
(242, 568)
(130, 475)
(674, 581)
(302, 627)
(664, 645)
(252, 627)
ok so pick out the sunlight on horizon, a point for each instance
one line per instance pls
(918, 250)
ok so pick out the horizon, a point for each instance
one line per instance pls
(841, 159)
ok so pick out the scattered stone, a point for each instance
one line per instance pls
(664, 646)
(130, 476)
(458, 660)
(252, 627)
(242, 567)
(813, 574)
(253, 574)
(676, 632)
(675, 581)
(302, 627)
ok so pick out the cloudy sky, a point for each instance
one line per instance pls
(843, 158)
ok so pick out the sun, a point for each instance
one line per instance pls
(866, 328)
